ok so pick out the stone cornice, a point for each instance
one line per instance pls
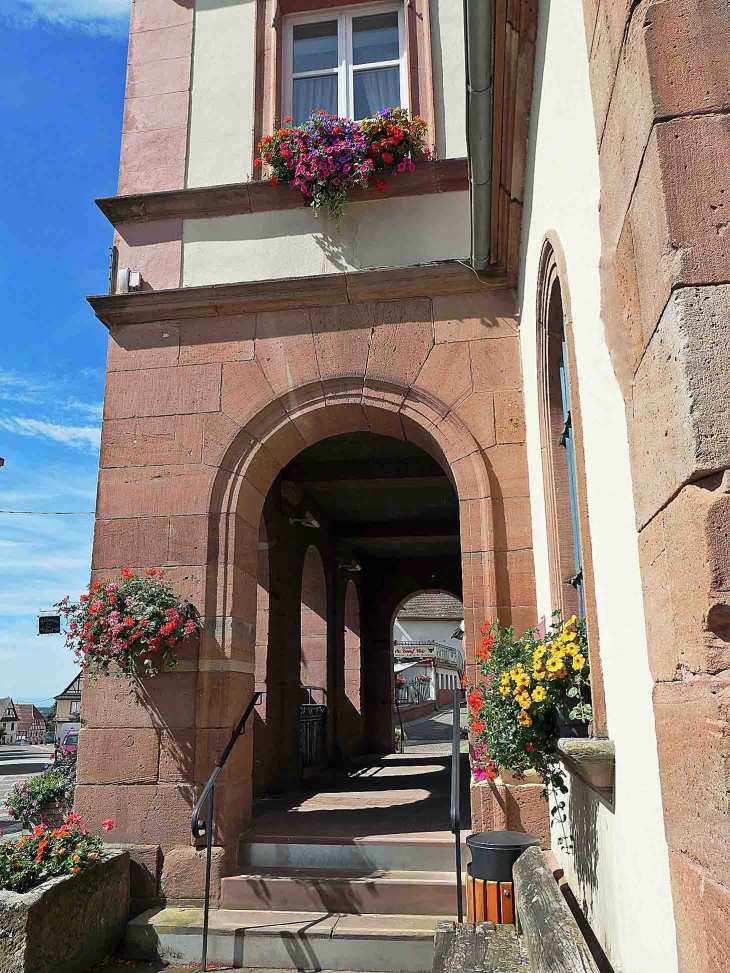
(593, 761)
(425, 280)
(449, 175)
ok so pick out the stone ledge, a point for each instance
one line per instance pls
(444, 176)
(593, 762)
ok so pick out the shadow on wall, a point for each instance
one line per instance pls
(583, 817)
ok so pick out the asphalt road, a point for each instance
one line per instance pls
(18, 762)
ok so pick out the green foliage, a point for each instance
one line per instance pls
(45, 854)
(55, 786)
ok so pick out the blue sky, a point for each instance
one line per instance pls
(62, 69)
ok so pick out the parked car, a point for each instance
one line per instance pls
(69, 744)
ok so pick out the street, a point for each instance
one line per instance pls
(18, 762)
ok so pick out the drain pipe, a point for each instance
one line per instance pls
(478, 44)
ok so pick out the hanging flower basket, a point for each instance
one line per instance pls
(327, 157)
(138, 622)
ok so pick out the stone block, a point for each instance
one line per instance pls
(223, 698)
(148, 113)
(177, 756)
(509, 417)
(693, 731)
(512, 524)
(179, 391)
(342, 338)
(402, 338)
(152, 162)
(122, 543)
(86, 912)
(514, 574)
(470, 317)
(246, 392)
(158, 77)
(118, 756)
(446, 373)
(183, 875)
(524, 810)
(507, 466)
(477, 413)
(496, 364)
(702, 914)
(161, 13)
(144, 871)
(156, 441)
(227, 638)
(220, 438)
(167, 700)
(285, 349)
(681, 424)
(153, 491)
(161, 44)
(218, 339)
(148, 814)
(154, 248)
(137, 346)
(607, 36)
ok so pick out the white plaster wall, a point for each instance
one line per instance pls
(620, 870)
(449, 81)
(295, 243)
(221, 112)
(221, 109)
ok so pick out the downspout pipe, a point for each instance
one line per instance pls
(478, 54)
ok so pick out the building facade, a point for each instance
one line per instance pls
(31, 724)
(8, 721)
(504, 378)
(68, 707)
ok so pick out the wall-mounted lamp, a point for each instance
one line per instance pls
(351, 566)
(306, 521)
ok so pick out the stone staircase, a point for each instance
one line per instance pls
(364, 904)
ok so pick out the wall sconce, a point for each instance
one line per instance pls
(306, 521)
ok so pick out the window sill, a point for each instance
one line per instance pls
(593, 762)
(437, 176)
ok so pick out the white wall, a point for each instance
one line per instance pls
(220, 146)
(221, 111)
(620, 869)
(295, 243)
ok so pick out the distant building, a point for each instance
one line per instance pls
(31, 724)
(8, 721)
(68, 705)
(424, 646)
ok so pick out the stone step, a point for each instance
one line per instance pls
(422, 852)
(382, 892)
(286, 940)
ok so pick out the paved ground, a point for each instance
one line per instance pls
(122, 966)
(18, 762)
(431, 735)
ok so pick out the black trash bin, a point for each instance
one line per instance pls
(493, 853)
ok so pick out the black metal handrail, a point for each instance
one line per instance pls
(204, 829)
(455, 811)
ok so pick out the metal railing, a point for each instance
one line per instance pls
(455, 811)
(204, 829)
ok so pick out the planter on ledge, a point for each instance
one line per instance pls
(67, 924)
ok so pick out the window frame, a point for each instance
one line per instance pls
(346, 69)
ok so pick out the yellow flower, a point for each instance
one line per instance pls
(523, 679)
(561, 673)
(539, 673)
(539, 693)
(524, 700)
(76, 859)
(572, 649)
(578, 662)
(539, 653)
(524, 719)
(553, 665)
(570, 622)
(557, 650)
(568, 636)
(505, 679)
(504, 690)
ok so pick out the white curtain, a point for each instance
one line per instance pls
(311, 94)
(376, 90)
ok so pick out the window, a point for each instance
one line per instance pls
(350, 63)
(566, 441)
(75, 708)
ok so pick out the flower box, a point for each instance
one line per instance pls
(67, 924)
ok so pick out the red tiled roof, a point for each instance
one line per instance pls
(432, 606)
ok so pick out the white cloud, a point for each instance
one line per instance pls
(103, 16)
(91, 410)
(81, 437)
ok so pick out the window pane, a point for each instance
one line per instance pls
(376, 90)
(315, 46)
(311, 94)
(375, 38)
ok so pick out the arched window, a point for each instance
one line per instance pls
(566, 509)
